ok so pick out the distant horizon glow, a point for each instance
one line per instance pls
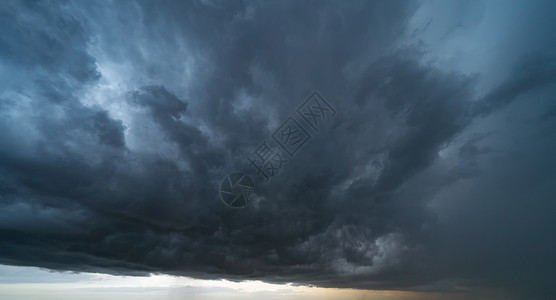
(17, 281)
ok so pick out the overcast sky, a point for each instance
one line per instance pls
(435, 176)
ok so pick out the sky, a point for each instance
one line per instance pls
(409, 149)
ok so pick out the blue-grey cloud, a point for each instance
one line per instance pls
(119, 120)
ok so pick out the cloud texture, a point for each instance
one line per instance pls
(119, 119)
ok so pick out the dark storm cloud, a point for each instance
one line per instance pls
(84, 190)
(530, 72)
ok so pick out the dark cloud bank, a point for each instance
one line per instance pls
(419, 182)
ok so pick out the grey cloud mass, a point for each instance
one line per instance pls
(118, 121)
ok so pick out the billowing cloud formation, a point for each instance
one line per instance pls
(118, 122)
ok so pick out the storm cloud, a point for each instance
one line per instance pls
(118, 120)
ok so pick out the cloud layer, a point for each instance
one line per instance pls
(118, 122)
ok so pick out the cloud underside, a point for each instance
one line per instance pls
(118, 122)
